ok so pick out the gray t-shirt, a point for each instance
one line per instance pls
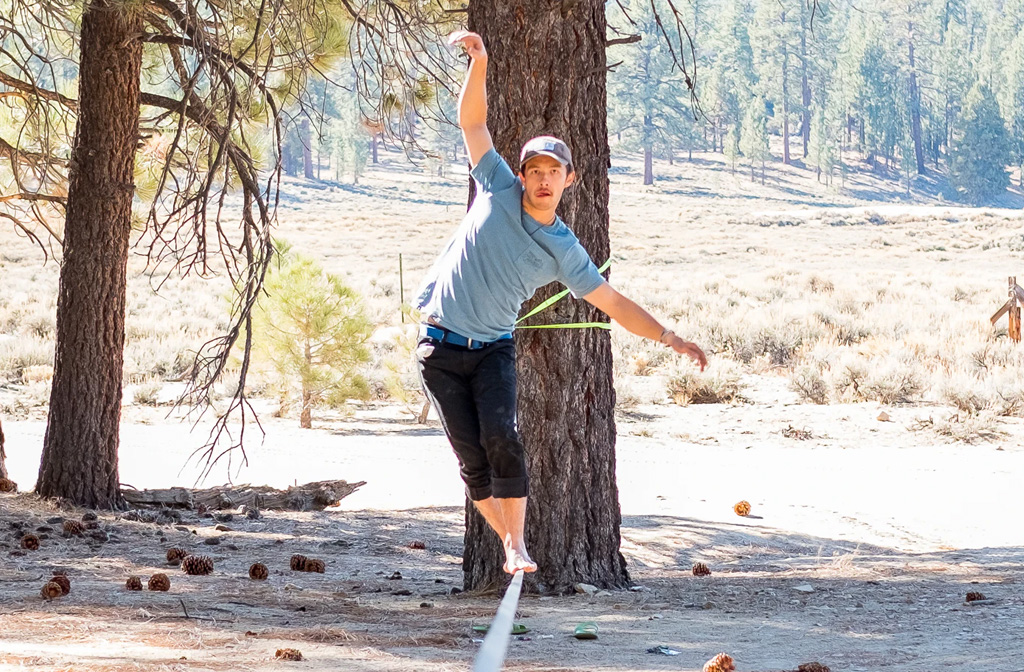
(498, 257)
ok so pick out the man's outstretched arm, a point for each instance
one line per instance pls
(638, 321)
(473, 99)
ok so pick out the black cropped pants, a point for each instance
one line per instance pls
(474, 394)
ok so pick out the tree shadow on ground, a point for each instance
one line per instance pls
(774, 598)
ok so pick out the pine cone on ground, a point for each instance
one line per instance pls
(72, 528)
(89, 517)
(7, 485)
(298, 563)
(742, 508)
(974, 596)
(176, 555)
(258, 571)
(159, 582)
(720, 663)
(30, 542)
(315, 565)
(197, 565)
(812, 667)
(51, 590)
(133, 583)
(288, 654)
(62, 581)
(700, 569)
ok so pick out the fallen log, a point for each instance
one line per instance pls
(309, 497)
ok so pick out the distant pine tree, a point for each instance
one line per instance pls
(981, 152)
(313, 330)
(754, 135)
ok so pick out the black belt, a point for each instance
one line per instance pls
(448, 336)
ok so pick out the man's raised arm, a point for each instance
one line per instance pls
(473, 99)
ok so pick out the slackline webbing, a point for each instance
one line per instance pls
(555, 299)
(492, 651)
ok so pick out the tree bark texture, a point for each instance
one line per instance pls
(546, 74)
(79, 459)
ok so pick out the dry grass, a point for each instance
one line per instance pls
(716, 385)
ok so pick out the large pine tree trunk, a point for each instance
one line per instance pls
(546, 74)
(80, 447)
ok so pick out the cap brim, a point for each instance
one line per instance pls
(534, 153)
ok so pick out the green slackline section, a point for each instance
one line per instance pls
(555, 299)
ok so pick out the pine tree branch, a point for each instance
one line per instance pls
(631, 39)
(29, 87)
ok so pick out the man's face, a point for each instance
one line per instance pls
(544, 179)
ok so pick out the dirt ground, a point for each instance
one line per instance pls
(859, 553)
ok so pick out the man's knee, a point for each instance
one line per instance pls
(502, 441)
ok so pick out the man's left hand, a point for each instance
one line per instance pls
(689, 349)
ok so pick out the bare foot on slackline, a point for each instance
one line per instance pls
(517, 559)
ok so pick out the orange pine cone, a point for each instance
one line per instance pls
(720, 663)
(742, 508)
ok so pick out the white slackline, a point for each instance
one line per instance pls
(492, 651)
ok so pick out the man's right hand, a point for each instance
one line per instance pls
(471, 42)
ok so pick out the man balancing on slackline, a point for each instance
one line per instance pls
(510, 244)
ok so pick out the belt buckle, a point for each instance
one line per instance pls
(469, 343)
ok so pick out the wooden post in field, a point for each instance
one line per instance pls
(1014, 313)
(1012, 310)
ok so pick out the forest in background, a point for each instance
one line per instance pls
(907, 86)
